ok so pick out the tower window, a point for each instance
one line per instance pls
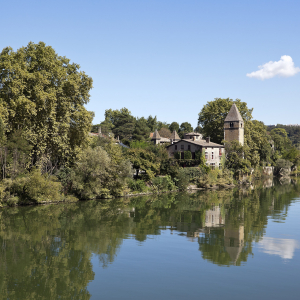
(241, 124)
(231, 124)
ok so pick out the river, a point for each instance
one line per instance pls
(229, 244)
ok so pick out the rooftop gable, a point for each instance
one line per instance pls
(234, 114)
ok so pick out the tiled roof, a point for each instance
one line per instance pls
(175, 136)
(234, 114)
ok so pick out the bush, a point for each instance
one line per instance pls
(177, 155)
(182, 180)
(193, 173)
(163, 183)
(187, 154)
(137, 185)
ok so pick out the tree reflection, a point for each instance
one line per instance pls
(45, 251)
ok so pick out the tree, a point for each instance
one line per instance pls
(121, 122)
(185, 127)
(174, 126)
(235, 160)
(257, 142)
(212, 116)
(165, 132)
(44, 96)
(152, 123)
(141, 130)
(144, 160)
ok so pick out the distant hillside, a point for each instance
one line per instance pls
(293, 132)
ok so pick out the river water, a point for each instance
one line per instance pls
(230, 244)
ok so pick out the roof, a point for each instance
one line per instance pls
(192, 133)
(202, 143)
(174, 136)
(234, 114)
(156, 135)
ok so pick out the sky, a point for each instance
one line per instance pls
(168, 58)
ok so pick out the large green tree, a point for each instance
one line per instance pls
(121, 122)
(43, 95)
(212, 116)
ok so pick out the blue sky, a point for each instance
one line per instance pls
(170, 57)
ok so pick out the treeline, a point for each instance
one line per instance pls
(121, 123)
(47, 152)
(293, 132)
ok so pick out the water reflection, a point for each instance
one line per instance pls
(45, 252)
(285, 248)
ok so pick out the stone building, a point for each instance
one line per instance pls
(234, 126)
(212, 151)
(193, 141)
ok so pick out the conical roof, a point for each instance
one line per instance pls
(156, 135)
(234, 114)
(175, 136)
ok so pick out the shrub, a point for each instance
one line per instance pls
(137, 185)
(163, 183)
(182, 180)
(177, 155)
(187, 154)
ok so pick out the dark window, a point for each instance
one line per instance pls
(231, 124)
(212, 155)
(182, 147)
(189, 147)
(175, 147)
(241, 124)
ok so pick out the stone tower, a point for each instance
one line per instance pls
(234, 126)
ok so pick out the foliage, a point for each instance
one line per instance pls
(185, 127)
(141, 130)
(187, 154)
(96, 174)
(235, 158)
(212, 116)
(182, 181)
(165, 132)
(293, 132)
(163, 183)
(174, 126)
(177, 155)
(44, 95)
(145, 160)
(137, 185)
(121, 122)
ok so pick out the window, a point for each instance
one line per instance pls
(212, 155)
(220, 166)
(220, 151)
(182, 147)
(212, 166)
(206, 155)
(241, 124)
(231, 124)
(175, 147)
(189, 147)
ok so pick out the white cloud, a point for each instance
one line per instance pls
(282, 247)
(284, 67)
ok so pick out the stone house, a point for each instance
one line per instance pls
(193, 141)
(212, 151)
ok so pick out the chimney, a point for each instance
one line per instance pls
(194, 138)
(208, 139)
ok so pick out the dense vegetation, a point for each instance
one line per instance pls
(47, 154)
